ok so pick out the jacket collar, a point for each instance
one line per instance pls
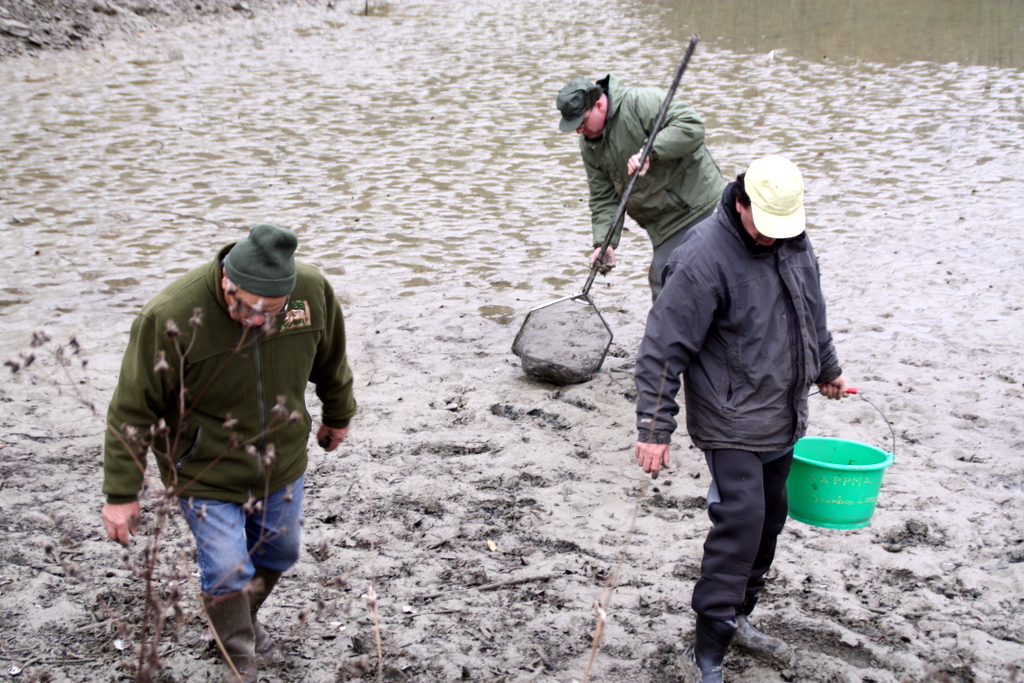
(214, 277)
(614, 88)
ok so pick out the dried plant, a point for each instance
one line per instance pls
(371, 594)
(602, 605)
(163, 568)
(67, 370)
(611, 581)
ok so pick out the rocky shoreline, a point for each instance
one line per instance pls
(32, 27)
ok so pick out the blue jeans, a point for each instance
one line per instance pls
(229, 540)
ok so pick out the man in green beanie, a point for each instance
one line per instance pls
(213, 383)
(680, 184)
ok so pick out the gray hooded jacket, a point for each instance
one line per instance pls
(745, 326)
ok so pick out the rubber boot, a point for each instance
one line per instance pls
(709, 645)
(752, 639)
(230, 619)
(263, 581)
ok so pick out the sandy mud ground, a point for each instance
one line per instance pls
(489, 511)
(36, 27)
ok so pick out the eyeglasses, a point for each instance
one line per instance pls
(586, 117)
(246, 311)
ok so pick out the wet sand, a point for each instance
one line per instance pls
(417, 156)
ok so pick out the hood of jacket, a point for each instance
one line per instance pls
(727, 208)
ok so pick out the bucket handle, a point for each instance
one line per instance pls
(892, 432)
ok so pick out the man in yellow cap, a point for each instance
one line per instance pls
(681, 181)
(742, 320)
(214, 382)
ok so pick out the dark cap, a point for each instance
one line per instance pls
(574, 101)
(263, 263)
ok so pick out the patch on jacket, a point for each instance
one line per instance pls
(297, 315)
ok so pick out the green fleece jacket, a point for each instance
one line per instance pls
(683, 182)
(226, 437)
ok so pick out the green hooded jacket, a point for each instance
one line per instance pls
(683, 181)
(234, 378)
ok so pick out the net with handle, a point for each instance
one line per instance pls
(563, 342)
(566, 341)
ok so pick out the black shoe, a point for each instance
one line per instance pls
(750, 638)
(710, 642)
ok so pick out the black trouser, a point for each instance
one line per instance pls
(746, 522)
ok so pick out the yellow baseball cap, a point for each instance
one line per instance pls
(776, 191)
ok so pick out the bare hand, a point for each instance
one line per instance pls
(121, 521)
(651, 456)
(609, 258)
(330, 438)
(634, 163)
(837, 388)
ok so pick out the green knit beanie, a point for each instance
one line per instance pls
(263, 263)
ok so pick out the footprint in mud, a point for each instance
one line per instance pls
(912, 533)
(450, 450)
(661, 501)
(516, 413)
(669, 664)
(1015, 555)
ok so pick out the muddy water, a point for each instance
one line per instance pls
(416, 154)
(989, 33)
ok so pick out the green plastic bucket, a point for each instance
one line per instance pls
(834, 483)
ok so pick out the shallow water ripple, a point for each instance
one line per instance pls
(416, 154)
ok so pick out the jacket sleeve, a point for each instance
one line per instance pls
(604, 200)
(829, 359)
(676, 328)
(142, 396)
(331, 373)
(682, 131)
